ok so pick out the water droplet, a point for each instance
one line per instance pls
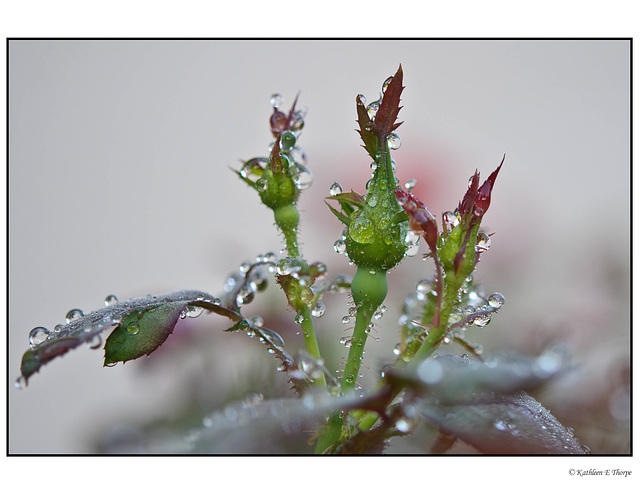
(318, 310)
(372, 109)
(482, 320)
(37, 336)
(287, 140)
(379, 313)
(303, 177)
(345, 341)
(374, 167)
(450, 219)
(386, 83)
(335, 189)
(110, 300)
(361, 230)
(362, 99)
(20, 383)
(410, 184)
(254, 168)
(339, 246)
(261, 184)
(73, 315)
(246, 295)
(394, 141)
(298, 319)
(194, 311)
(483, 242)
(133, 328)
(95, 342)
(496, 300)
(276, 100)
(346, 320)
(257, 321)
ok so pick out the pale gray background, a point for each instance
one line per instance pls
(119, 182)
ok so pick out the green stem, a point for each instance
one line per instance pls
(358, 340)
(310, 340)
(333, 430)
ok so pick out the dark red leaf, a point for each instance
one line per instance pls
(367, 135)
(465, 206)
(420, 218)
(483, 198)
(385, 120)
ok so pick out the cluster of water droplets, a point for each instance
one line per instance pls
(241, 286)
(473, 308)
(293, 156)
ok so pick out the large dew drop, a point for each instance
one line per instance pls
(335, 189)
(110, 300)
(37, 336)
(73, 315)
(276, 100)
(496, 300)
(394, 141)
(386, 83)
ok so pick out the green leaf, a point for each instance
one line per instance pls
(341, 216)
(349, 198)
(142, 332)
(151, 309)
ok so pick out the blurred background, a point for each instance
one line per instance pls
(120, 182)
